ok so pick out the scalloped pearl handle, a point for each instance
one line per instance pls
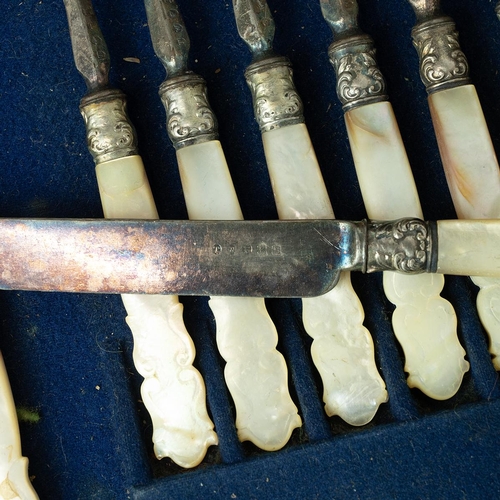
(473, 177)
(173, 390)
(255, 373)
(14, 479)
(424, 323)
(342, 349)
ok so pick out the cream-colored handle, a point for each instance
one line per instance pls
(473, 177)
(124, 189)
(424, 323)
(467, 153)
(469, 247)
(14, 479)
(342, 349)
(173, 390)
(255, 373)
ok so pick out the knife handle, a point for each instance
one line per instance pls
(467, 153)
(423, 321)
(342, 349)
(382, 166)
(173, 390)
(256, 373)
(473, 178)
(469, 247)
(124, 189)
(298, 186)
(14, 479)
(206, 183)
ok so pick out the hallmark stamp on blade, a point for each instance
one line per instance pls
(262, 249)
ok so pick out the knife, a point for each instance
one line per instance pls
(353, 388)
(237, 258)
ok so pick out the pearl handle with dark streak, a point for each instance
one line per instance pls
(467, 153)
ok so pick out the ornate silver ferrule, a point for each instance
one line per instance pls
(497, 10)
(405, 245)
(110, 133)
(190, 119)
(443, 65)
(276, 102)
(359, 79)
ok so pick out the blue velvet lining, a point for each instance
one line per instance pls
(69, 355)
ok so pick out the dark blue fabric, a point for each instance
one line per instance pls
(96, 443)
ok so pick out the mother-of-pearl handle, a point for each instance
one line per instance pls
(473, 177)
(465, 146)
(469, 160)
(342, 349)
(14, 480)
(424, 323)
(173, 390)
(255, 373)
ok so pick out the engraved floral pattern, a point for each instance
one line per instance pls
(189, 115)
(358, 77)
(399, 246)
(441, 58)
(275, 97)
(110, 134)
(255, 24)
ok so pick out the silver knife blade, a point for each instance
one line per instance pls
(240, 258)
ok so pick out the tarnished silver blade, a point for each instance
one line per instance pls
(255, 26)
(89, 48)
(426, 9)
(341, 16)
(169, 35)
(240, 258)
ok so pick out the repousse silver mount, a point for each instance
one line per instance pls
(443, 65)
(110, 133)
(275, 99)
(406, 245)
(359, 79)
(352, 54)
(190, 119)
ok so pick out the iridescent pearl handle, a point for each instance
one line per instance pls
(14, 480)
(173, 391)
(256, 373)
(343, 349)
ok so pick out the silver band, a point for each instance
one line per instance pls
(443, 65)
(190, 119)
(275, 99)
(405, 245)
(359, 80)
(110, 133)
